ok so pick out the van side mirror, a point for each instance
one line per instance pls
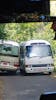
(54, 52)
(48, 96)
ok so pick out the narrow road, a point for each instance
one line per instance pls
(30, 87)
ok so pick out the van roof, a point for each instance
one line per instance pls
(35, 41)
(9, 42)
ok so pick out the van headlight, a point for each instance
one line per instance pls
(49, 65)
(52, 64)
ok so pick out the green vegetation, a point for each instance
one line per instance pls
(26, 31)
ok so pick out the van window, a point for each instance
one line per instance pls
(40, 50)
(8, 49)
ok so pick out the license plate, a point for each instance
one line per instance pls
(4, 64)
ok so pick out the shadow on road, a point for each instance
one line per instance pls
(9, 74)
(19, 74)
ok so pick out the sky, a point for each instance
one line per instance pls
(53, 7)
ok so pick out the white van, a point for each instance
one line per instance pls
(36, 56)
(9, 56)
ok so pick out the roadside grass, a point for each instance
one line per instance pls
(55, 64)
(1, 89)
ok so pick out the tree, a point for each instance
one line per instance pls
(3, 34)
(27, 31)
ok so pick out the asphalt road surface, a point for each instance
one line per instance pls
(30, 87)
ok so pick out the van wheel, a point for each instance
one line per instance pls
(12, 72)
(22, 72)
(50, 73)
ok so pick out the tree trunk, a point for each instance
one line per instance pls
(55, 36)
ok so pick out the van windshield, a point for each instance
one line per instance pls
(8, 49)
(39, 51)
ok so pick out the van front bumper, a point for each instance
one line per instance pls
(39, 69)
